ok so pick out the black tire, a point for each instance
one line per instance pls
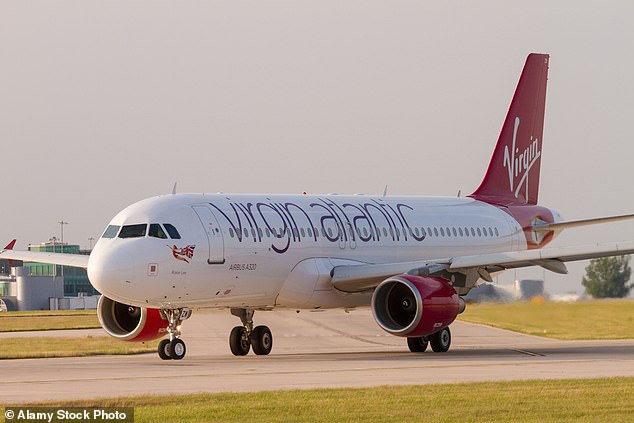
(441, 340)
(163, 349)
(177, 349)
(262, 340)
(239, 341)
(417, 344)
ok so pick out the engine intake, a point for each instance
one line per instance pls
(129, 323)
(412, 306)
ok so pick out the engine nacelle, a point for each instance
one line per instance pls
(408, 305)
(129, 323)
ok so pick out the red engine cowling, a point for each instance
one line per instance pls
(408, 305)
(129, 323)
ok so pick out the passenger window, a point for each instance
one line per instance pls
(260, 233)
(496, 232)
(490, 231)
(460, 230)
(133, 231)
(156, 231)
(268, 232)
(484, 230)
(111, 231)
(435, 231)
(384, 232)
(231, 232)
(442, 232)
(454, 231)
(479, 233)
(171, 230)
(472, 232)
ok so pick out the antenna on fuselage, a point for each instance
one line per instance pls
(174, 189)
(385, 191)
(459, 193)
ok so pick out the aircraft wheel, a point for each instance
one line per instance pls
(163, 349)
(177, 349)
(261, 340)
(417, 344)
(441, 340)
(239, 341)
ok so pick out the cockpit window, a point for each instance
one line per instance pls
(172, 231)
(156, 231)
(133, 231)
(111, 231)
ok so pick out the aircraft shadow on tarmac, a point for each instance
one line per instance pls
(572, 352)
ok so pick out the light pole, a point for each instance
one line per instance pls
(61, 224)
(90, 240)
(61, 250)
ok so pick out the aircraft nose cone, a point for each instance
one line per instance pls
(113, 270)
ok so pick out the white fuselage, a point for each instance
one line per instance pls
(266, 251)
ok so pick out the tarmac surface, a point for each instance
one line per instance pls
(310, 350)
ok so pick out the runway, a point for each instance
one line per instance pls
(311, 350)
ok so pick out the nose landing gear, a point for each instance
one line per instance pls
(243, 338)
(174, 347)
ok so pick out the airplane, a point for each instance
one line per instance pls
(411, 258)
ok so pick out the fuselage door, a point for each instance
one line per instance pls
(214, 234)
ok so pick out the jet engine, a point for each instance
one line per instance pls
(415, 306)
(129, 323)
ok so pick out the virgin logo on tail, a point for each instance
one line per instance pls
(519, 164)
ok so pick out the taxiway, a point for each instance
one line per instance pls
(311, 350)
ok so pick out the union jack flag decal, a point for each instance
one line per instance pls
(183, 253)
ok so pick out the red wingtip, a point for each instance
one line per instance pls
(10, 245)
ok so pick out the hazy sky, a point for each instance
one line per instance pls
(103, 103)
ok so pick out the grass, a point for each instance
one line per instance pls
(40, 347)
(14, 321)
(612, 319)
(600, 400)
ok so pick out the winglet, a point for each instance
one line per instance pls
(9, 247)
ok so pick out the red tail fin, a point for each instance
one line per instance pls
(513, 173)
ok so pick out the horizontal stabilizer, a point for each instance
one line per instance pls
(546, 227)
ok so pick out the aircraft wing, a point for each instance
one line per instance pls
(73, 260)
(466, 270)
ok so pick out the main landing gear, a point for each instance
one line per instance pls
(174, 347)
(440, 341)
(245, 337)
